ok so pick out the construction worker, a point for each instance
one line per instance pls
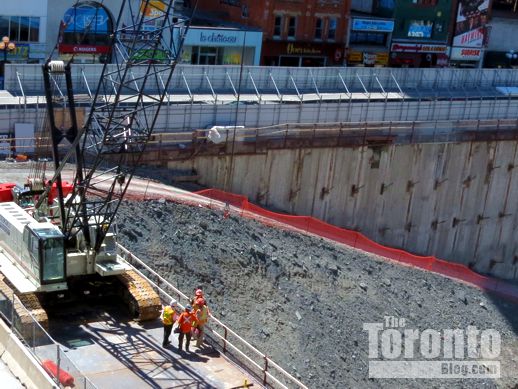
(186, 322)
(198, 293)
(168, 316)
(202, 317)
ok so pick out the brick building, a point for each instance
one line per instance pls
(295, 32)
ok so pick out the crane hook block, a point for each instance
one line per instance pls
(57, 66)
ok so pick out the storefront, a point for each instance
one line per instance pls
(368, 42)
(415, 55)
(85, 33)
(470, 34)
(222, 46)
(298, 54)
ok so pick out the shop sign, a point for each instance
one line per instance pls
(373, 25)
(148, 55)
(355, 56)
(217, 37)
(418, 48)
(369, 58)
(472, 17)
(382, 59)
(466, 53)
(37, 50)
(83, 49)
(293, 49)
(473, 38)
(20, 53)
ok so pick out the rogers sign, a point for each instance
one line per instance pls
(83, 49)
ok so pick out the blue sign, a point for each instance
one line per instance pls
(88, 18)
(420, 29)
(373, 25)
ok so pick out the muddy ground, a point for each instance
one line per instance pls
(304, 300)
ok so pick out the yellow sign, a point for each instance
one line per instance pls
(382, 59)
(154, 8)
(292, 49)
(355, 56)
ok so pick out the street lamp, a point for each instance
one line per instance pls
(6, 46)
(511, 55)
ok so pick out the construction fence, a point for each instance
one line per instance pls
(359, 241)
(45, 350)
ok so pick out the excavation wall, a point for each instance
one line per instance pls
(454, 201)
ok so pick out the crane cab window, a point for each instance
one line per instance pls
(51, 250)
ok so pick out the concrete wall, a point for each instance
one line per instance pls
(21, 363)
(455, 201)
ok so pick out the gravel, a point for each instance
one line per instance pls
(303, 300)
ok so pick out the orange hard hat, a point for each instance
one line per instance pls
(198, 292)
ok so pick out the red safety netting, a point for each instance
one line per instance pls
(357, 240)
(6, 193)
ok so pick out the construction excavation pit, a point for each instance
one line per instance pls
(322, 310)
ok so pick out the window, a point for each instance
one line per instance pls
(277, 27)
(331, 31)
(368, 38)
(53, 260)
(4, 26)
(318, 28)
(292, 26)
(20, 28)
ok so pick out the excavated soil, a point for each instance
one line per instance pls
(303, 300)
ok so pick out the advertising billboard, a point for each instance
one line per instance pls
(152, 14)
(472, 17)
(87, 18)
(86, 29)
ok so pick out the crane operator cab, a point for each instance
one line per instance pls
(32, 253)
(46, 253)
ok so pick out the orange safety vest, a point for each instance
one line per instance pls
(167, 316)
(186, 321)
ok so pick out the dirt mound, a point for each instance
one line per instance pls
(304, 300)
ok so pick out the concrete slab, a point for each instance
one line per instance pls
(117, 352)
(7, 378)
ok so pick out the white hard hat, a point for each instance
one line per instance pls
(173, 303)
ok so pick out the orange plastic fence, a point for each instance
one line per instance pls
(357, 240)
(7, 195)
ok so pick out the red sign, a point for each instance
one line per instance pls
(83, 49)
(418, 48)
(470, 54)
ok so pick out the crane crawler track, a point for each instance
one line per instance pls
(140, 296)
(26, 305)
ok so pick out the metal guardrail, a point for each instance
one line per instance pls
(220, 335)
(39, 343)
(308, 135)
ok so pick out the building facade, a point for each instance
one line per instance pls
(470, 33)
(25, 23)
(295, 32)
(421, 33)
(502, 49)
(370, 32)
